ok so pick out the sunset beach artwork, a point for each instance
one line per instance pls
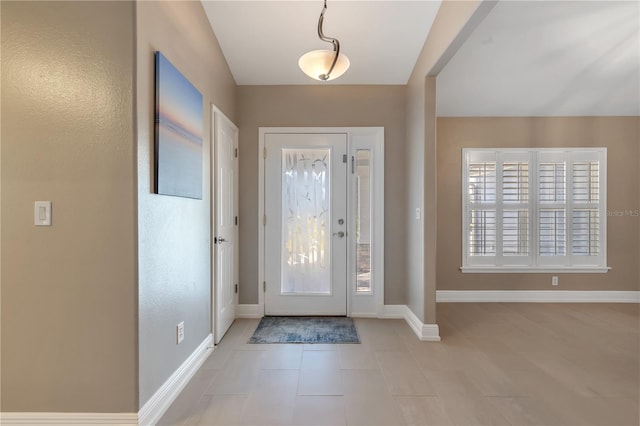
(178, 133)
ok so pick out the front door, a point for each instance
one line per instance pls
(306, 224)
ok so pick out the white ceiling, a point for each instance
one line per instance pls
(263, 40)
(526, 58)
(547, 59)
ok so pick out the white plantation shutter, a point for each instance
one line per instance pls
(515, 207)
(534, 209)
(552, 208)
(482, 233)
(481, 213)
(498, 210)
(588, 210)
(515, 232)
(585, 230)
(482, 182)
(552, 224)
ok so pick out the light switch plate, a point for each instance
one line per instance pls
(418, 213)
(180, 332)
(42, 213)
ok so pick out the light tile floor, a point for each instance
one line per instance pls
(497, 364)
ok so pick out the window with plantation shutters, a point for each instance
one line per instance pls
(534, 210)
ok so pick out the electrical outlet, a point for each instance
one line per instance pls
(554, 280)
(180, 332)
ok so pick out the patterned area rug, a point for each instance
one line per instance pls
(305, 330)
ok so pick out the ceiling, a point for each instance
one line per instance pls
(263, 40)
(547, 58)
(526, 58)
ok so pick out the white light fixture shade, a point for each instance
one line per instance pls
(317, 63)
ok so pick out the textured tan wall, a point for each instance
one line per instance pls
(322, 106)
(621, 137)
(174, 254)
(68, 291)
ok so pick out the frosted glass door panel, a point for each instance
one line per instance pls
(306, 229)
(305, 204)
(363, 221)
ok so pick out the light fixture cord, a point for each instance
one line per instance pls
(334, 41)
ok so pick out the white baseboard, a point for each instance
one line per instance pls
(249, 311)
(538, 296)
(111, 419)
(155, 408)
(425, 332)
(363, 315)
(395, 311)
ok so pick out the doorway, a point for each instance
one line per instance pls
(322, 221)
(225, 222)
(306, 203)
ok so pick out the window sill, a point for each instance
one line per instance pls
(529, 270)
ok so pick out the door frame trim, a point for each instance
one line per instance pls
(370, 304)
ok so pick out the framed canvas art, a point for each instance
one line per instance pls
(178, 133)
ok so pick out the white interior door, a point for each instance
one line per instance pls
(306, 224)
(225, 229)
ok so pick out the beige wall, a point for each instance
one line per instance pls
(69, 309)
(453, 24)
(414, 178)
(322, 106)
(621, 137)
(174, 244)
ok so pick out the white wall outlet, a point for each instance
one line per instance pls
(180, 332)
(42, 213)
(554, 280)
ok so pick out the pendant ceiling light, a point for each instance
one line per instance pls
(324, 65)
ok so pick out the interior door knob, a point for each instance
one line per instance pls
(340, 234)
(220, 240)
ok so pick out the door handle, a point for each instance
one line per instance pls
(340, 234)
(219, 240)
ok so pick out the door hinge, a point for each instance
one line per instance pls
(264, 286)
(235, 153)
(353, 164)
(236, 288)
(264, 220)
(264, 152)
(236, 220)
(344, 158)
